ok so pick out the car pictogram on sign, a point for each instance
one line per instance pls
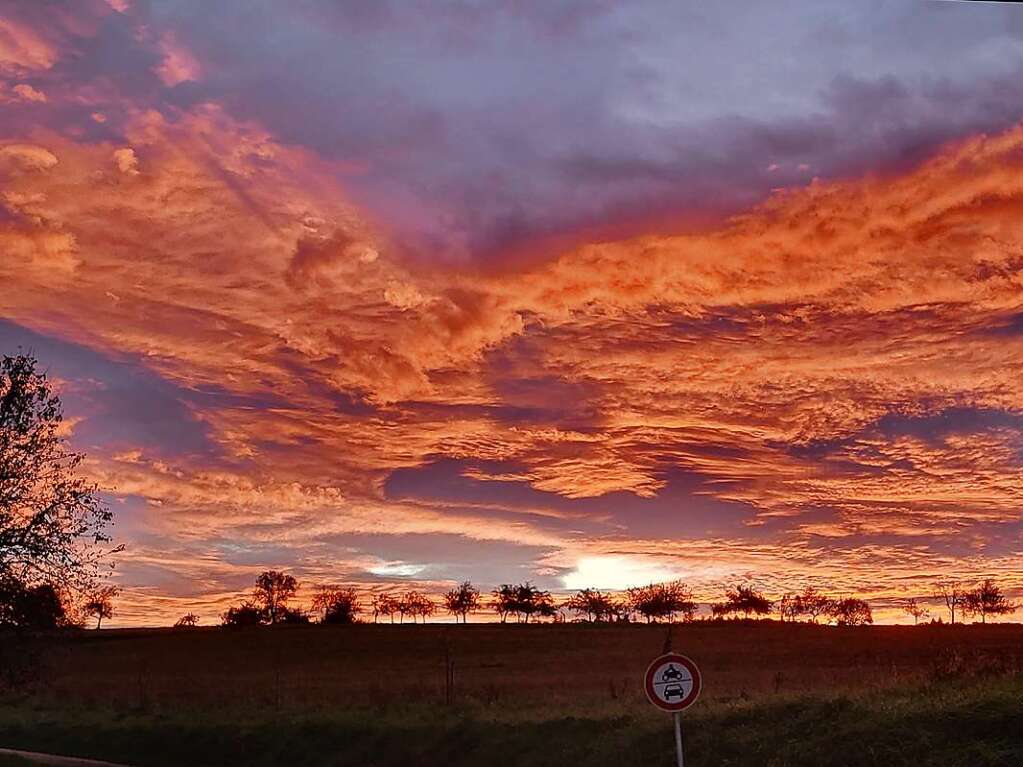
(674, 691)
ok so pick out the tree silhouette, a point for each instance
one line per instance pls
(504, 600)
(789, 607)
(987, 599)
(910, 606)
(188, 620)
(524, 600)
(52, 523)
(952, 593)
(595, 605)
(385, 604)
(850, 612)
(462, 600)
(100, 604)
(338, 604)
(663, 600)
(273, 592)
(416, 603)
(531, 602)
(743, 599)
(811, 602)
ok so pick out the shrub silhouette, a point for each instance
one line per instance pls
(245, 614)
(37, 608)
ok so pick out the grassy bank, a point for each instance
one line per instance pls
(951, 724)
(524, 695)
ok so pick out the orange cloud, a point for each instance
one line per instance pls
(760, 357)
(22, 49)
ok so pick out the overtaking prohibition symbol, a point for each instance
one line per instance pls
(673, 682)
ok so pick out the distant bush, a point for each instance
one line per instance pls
(292, 617)
(39, 607)
(188, 620)
(246, 614)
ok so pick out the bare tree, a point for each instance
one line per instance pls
(987, 599)
(912, 607)
(952, 593)
(100, 603)
(273, 591)
(188, 620)
(462, 600)
(52, 522)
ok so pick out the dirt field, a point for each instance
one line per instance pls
(378, 695)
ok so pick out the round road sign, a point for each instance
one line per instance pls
(672, 682)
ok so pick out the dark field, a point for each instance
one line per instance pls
(526, 695)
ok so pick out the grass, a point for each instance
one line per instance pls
(775, 696)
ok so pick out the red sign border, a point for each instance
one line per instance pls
(682, 660)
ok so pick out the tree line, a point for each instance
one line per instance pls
(271, 603)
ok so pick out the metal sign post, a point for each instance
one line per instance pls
(678, 739)
(673, 683)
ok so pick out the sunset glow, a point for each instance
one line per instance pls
(318, 301)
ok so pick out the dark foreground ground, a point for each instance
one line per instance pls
(525, 695)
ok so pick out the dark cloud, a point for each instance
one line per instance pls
(477, 130)
(121, 404)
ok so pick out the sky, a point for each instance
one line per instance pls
(398, 294)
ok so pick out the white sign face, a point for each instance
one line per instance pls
(672, 682)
